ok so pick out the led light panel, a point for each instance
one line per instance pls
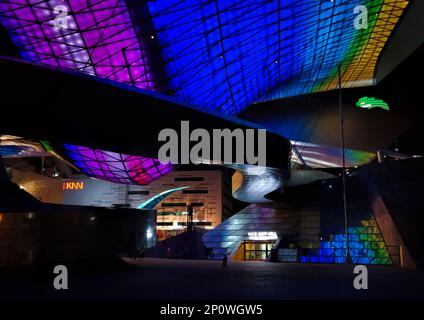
(153, 201)
(370, 103)
(220, 55)
(116, 167)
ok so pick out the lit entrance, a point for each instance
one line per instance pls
(256, 249)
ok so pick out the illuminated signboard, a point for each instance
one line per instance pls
(370, 103)
(267, 235)
(72, 185)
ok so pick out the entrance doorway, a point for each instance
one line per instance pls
(258, 250)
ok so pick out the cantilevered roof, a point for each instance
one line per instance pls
(228, 54)
(220, 55)
(99, 38)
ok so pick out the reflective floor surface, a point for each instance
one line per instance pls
(200, 279)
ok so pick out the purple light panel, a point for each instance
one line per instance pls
(100, 39)
(116, 167)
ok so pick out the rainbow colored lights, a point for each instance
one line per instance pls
(227, 54)
(218, 55)
(100, 39)
(370, 103)
(116, 167)
(366, 246)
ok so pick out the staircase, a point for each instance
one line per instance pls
(269, 217)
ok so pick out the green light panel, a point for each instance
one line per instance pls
(370, 103)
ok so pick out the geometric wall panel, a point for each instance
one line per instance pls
(99, 39)
(116, 167)
(220, 55)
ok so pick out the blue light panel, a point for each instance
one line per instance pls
(224, 55)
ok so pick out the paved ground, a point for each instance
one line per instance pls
(198, 279)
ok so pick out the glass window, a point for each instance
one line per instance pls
(257, 250)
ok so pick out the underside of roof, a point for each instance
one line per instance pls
(220, 55)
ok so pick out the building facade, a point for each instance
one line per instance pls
(208, 191)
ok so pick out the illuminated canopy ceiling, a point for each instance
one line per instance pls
(116, 167)
(218, 55)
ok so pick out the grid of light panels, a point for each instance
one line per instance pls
(116, 167)
(366, 245)
(220, 55)
(99, 39)
(371, 102)
(227, 54)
